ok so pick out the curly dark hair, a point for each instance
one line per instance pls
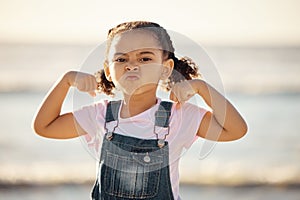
(184, 68)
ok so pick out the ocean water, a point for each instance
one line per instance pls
(269, 153)
(261, 82)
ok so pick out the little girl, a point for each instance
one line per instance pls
(140, 138)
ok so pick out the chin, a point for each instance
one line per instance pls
(136, 89)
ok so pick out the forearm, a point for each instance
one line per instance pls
(223, 111)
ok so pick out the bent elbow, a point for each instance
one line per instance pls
(38, 129)
(235, 134)
(241, 132)
(244, 129)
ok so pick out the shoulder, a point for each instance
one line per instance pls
(187, 114)
(92, 109)
(102, 104)
(188, 109)
(185, 121)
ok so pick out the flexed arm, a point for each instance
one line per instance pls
(224, 123)
(49, 122)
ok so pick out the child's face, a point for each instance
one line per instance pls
(135, 62)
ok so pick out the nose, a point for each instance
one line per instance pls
(132, 67)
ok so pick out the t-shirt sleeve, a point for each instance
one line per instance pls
(91, 120)
(190, 117)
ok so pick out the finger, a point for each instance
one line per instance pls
(173, 97)
(94, 83)
(92, 93)
(89, 85)
(178, 105)
(92, 86)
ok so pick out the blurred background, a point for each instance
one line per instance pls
(255, 45)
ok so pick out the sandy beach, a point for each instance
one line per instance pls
(188, 192)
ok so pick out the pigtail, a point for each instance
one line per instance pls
(104, 85)
(184, 69)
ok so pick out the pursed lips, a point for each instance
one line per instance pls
(131, 76)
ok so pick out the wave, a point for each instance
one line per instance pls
(241, 69)
(242, 88)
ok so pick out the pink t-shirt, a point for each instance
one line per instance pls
(184, 123)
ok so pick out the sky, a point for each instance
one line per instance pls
(212, 22)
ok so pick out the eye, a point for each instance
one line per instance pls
(145, 59)
(120, 60)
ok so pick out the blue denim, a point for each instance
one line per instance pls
(132, 168)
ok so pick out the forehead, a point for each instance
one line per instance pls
(133, 40)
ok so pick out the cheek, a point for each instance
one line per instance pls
(115, 72)
(152, 71)
(152, 68)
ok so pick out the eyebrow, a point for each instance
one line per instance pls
(146, 52)
(140, 53)
(118, 54)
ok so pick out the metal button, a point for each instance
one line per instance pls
(147, 159)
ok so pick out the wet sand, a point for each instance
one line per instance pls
(188, 192)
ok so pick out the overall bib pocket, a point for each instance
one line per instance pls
(135, 175)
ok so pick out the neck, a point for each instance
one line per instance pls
(138, 103)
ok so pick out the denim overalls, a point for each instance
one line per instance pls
(132, 168)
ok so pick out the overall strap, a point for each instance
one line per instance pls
(162, 120)
(111, 118)
(112, 111)
(163, 114)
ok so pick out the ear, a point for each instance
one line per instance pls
(168, 66)
(106, 71)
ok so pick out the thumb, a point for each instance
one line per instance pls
(173, 97)
(92, 93)
(178, 105)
